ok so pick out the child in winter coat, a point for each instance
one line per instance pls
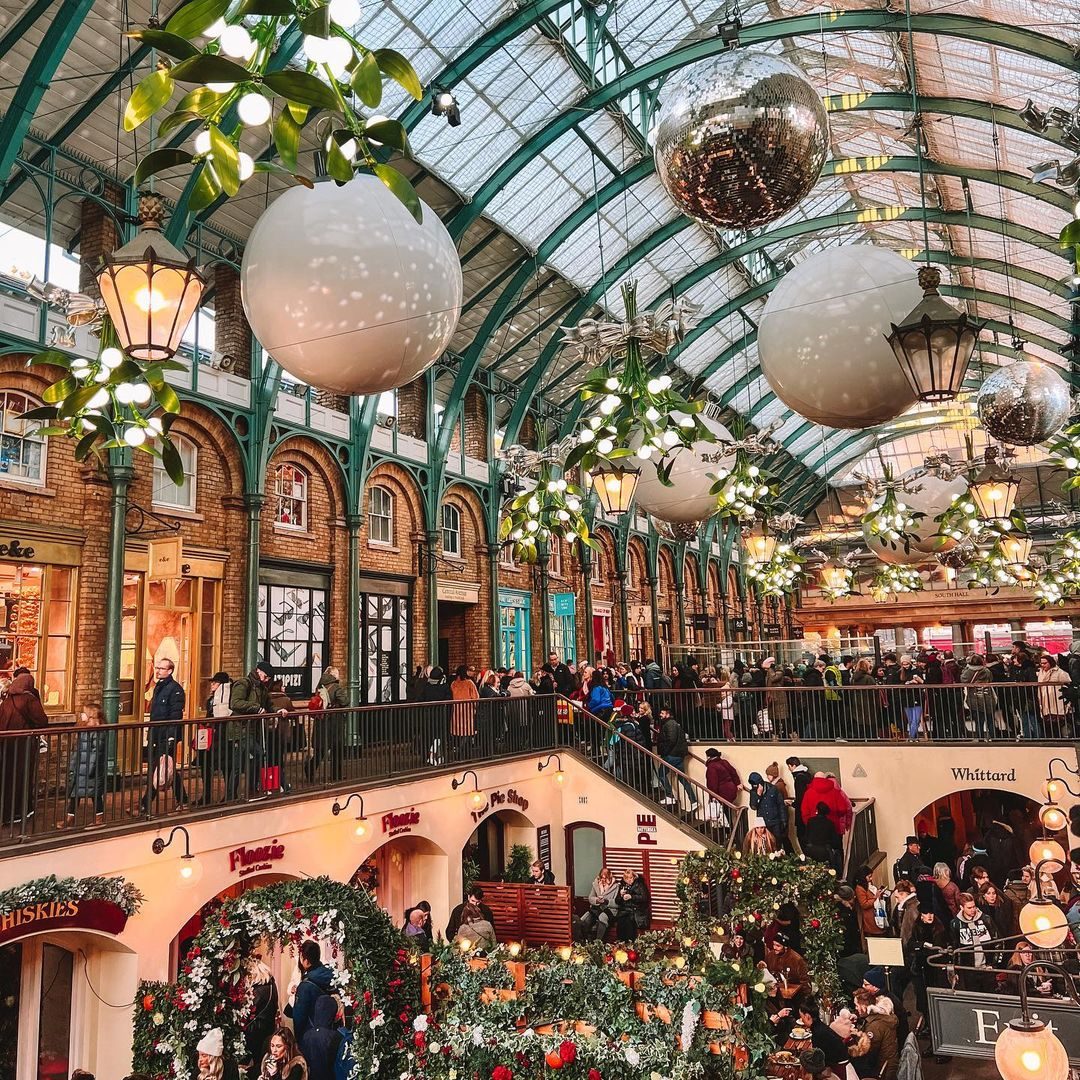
(86, 770)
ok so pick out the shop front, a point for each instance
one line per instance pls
(455, 598)
(515, 608)
(175, 618)
(39, 569)
(294, 625)
(385, 624)
(563, 609)
(640, 616)
(603, 629)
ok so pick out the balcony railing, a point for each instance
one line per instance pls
(914, 713)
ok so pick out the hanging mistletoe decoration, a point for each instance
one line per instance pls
(778, 575)
(1059, 580)
(551, 507)
(635, 414)
(996, 566)
(891, 580)
(1065, 454)
(888, 518)
(836, 580)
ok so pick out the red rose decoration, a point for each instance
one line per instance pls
(815, 923)
(288, 905)
(501, 1072)
(735, 875)
(418, 1040)
(631, 956)
(594, 1074)
(567, 1052)
(148, 1002)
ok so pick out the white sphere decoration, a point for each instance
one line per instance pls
(688, 498)
(346, 291)
(821, 338)
(934, 497)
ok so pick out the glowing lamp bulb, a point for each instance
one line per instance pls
(477, 799)
(565, 952)
(345, 12)
(514, 948)
(1024, 1052)
(1052, 817)
(237, 43)
(135, 436)
(1044, 849)
(1053, 788)
(190, 870)
(560, 776)
(1043, 923)
(149, 300)
(464, 944)
(360, 828)
(253, 109)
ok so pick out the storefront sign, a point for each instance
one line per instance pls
(502, 799)
(12, 549)
(639, 614)
(772, 629)
(700, 622)
(646, 829)
(458, 592)
(251, 860)
(966, 1024)
(738, 625)
(165, 558)
(100, 915)
(984, 775)
(402, 822)
(562, 603)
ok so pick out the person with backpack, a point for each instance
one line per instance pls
(166, 704)
(315, 982)
(211, 745)
(980, 697)
(328, 726)
(250, 696)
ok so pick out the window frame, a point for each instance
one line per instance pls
(31, 402)
(190, 478)
(388, 516)
(555, 557)
(455, 551)
(280, 496)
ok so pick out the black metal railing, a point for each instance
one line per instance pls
(59, 778)
(998, 712)
(659, 780)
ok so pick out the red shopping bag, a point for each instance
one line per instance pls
(271, 777)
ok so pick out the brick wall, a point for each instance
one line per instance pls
(412, 409)
(468, 628)
(666, 603)
(474, 413)
(232, 335)
(98, 236)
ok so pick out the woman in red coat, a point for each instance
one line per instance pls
(20, 710)
(721, 777)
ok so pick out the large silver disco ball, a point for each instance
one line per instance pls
(1024, 403)
(740, 138)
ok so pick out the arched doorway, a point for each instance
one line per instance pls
(403, 872)
(585, 843)
(954, 820)
(51, 1017)
(487, 851)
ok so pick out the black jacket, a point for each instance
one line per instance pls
(637, 904)
(322, 1041)
(820, 835)
(802, 777)
(563, 677)
(166, 703)
(314, 984)
(671, 742)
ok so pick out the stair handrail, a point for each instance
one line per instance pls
(680, 780)
(858, 808)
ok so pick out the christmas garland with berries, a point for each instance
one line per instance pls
(722, 891)
(374, 977)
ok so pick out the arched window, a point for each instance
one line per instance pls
(22, 454)
(599, 558)
(381, 516)
(555, 556)
(451, 530)
(290, 493)
(169, 494)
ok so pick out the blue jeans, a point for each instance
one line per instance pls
(665, 780)
(1029, 722)
(913, 714)
(984, 724)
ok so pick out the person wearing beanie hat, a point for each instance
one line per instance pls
(875, 982)
(814, 1064)
(212, 1062)
(250, 696)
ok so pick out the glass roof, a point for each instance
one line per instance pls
(997, 244)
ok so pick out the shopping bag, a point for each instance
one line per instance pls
(164, 772)
(204, 738)
(717, 812)
(270, 777)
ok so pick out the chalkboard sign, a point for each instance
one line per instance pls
(543, 845)
(738, 625)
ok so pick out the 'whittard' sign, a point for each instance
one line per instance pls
(966, 1024)
(984, 775)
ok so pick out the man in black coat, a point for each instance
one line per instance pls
(476, 897)
(908, 863)
(166, 704)
(561, 675)
(802, 776)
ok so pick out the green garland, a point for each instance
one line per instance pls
(551, 507)
(48, 889)
(375, 977)
(753, 888)
(152, 1019)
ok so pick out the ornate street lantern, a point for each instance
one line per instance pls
(935, 343)
(615, 487)
(994, 492)
(151, 289)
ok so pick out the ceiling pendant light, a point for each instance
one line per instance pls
(615, 487)
(994, 492)
(151, 289)
(935, 343)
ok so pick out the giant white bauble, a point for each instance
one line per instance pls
(934, 497)
(821, 338)
(688, 498)
(346, 291)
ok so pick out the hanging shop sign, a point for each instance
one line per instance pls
(639, 614)
(251, 860)
(458, 592)
(78, 914)
(700, 622)
(772, 629)
(402, 821)
(646, 829)
(166, 557)
(562, 603)
(738, 625)
(967, 1024)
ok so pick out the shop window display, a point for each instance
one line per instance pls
(290, 490)
(36, 611)
(292, 635)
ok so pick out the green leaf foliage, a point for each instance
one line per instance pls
(303, 88)
(338, 165)
(367, 81)
(171, 460)
(275, 169)
(165, 157)
(76, 401)
(168, 398)
(396, 67)
(226, 161)
(267, 7)
(51, 358)
(316, 22)
(401, 188)
(206, 69)
(195, 17)
(287, 139)
(389, 133)
(42, 412)
(177, 119)
(59, 390)
(149, 96)
(205, 190)
(179, 48)
(202, 101)
(1070, 235)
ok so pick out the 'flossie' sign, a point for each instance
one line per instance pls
(249, 860)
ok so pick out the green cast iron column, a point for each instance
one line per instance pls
(120, 477)
(586, 595)
(431, 568)
(496, 621)
(253, 505)
(624, 616)
(545, 601)
(352, 601)
(653, 582)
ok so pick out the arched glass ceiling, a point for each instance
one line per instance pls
(549, 190)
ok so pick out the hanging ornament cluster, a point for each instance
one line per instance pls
(1004, 562)
(773, 564)
(892, 580)
(888, 518)
(1024, 403)
(1059, 580)
(836, 580)
(637, 419)
(742, 491)
(552, 507)
(1065, 454)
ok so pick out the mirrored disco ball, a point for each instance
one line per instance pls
(1024, 403)
(676, 531)
(740, 138)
